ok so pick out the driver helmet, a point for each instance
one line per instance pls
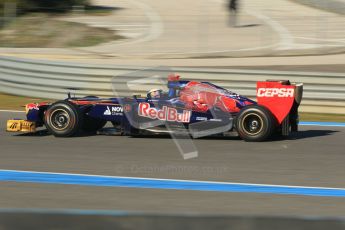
(154, 93)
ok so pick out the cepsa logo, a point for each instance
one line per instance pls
(272, 92)
(164, 114)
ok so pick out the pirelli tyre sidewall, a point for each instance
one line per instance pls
(63, 119)
(255, 123)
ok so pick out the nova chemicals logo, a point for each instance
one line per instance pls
(107, 112)
(113, 110)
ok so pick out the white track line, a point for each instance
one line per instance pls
(286, 39)
(156, 24)
(163, 179)
(11, 111)
(341, 40)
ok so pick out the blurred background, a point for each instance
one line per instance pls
(224, 35)
(51, 47)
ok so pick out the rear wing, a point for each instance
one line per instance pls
(281, 97)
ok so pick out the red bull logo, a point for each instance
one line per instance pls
(164, 114)
(31, 106)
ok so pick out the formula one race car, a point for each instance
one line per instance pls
(188, 107)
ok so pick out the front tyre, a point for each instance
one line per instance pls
(63, 119)
(255, 123)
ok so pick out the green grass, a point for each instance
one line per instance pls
(17, 102)
(41, 30)
(322, 117)
(12, 102)
(98, 10)
(60, 6)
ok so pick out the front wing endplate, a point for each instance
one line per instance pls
(21, 126)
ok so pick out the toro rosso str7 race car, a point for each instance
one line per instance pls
(196, 108)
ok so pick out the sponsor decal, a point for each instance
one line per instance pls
(113, 110)
(272, 92)
(20, 125)
(107, 112)
(31, 106)
(14, 125)
(216, 119)
(127, 108)
(164, 114)
(201, 118)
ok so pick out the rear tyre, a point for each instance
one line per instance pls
(255, 123)
(63, 119)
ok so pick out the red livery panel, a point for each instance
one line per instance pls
(275, 96)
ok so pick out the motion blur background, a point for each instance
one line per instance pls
(51, 47)
(103, 35)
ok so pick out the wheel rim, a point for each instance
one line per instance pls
(252, 124)
(60, 119)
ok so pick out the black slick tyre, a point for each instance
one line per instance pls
(63, 119)
(255, 123)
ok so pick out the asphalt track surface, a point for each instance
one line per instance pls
(313, 157)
